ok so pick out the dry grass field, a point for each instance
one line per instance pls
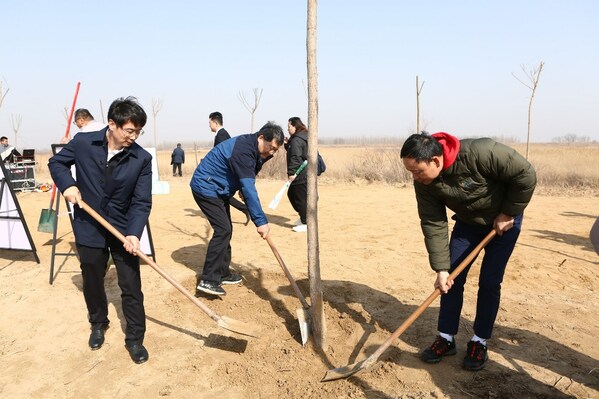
(560, 167)
(375, 273)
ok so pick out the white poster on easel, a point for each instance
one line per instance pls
(14, 233)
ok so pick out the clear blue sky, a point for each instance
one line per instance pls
(196, 56)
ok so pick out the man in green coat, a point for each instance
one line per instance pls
(487, 185)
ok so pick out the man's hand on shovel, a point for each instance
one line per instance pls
(132, 245)
(72, 195)
(263, 230)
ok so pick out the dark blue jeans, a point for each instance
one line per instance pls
(464, 238)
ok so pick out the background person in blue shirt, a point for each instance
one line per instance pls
(230, 167)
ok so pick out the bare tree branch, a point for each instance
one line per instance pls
(250, 108)
(16, 125)
(533, 77)
(3, 93)
(156, 107)
(418, 91)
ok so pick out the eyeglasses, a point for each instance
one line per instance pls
(270, 147)
(133, 132)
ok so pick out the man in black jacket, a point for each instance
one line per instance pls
(215, 121)
(114, 177)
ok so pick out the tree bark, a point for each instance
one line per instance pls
(317, 307)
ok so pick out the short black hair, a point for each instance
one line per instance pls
(123, 110)
(271, 131)
(421, 147)
(216, 117)
(3, 138)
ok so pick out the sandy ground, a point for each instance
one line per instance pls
(374, 275)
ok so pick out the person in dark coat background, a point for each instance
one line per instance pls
(114, 177)
(177, 158)
(215, 121)
(297, 153)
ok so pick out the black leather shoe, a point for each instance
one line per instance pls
(138, 353)
(96, 338)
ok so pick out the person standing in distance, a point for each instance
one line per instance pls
(177, 158)
(230, 167)
(114, 177)
(487, 185)
(215, 122)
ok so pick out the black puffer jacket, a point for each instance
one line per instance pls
(487, 178)
(297, 153)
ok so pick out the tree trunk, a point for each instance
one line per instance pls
(317, 306)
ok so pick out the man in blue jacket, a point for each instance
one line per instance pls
(114, 177)
(227, 168)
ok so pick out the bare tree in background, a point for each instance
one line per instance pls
(418, 91)
(319, 327)
(532, 83)
(156, 107)
(16, 125)
(251, 108)
(3, 93)
(102, 112)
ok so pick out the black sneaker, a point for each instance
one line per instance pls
(476, 356)
(441, 347)
(210, 287)
(232, 279)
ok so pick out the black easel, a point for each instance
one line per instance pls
(6, 183)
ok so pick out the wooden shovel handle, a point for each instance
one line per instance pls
(298, 293)
(149, 261)
(430, 299)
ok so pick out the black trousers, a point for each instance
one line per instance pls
(218, 254)
(298, 196)
(177, 166)
(93, 269)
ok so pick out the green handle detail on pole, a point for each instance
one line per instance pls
(275, 202)
(302, 166)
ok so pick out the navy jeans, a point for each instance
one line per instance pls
(464, 238)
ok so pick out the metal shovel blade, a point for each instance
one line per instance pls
(237, 326)
(346, 371)
(224, 322)
(46, 222)
(303, 317)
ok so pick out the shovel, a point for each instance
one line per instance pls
(303, 314)
(222, 321)
(346, 371)
(48, 216)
